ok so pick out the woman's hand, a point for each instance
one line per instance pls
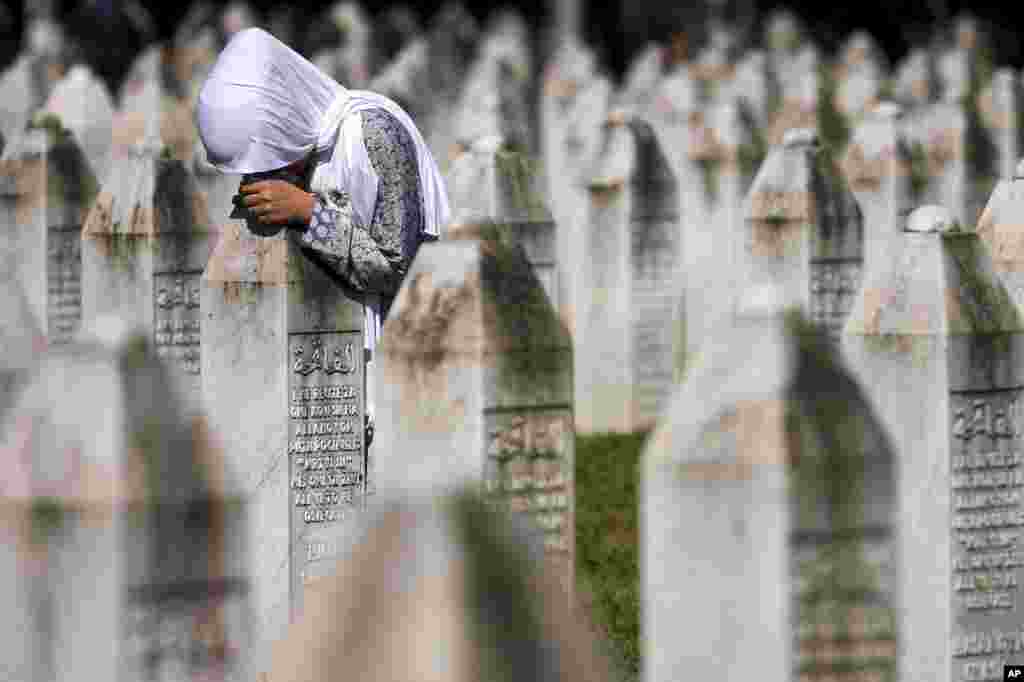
(278, 202)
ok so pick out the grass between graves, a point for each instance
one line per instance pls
(607, 551)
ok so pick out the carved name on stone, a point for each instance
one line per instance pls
(834, 286)
(176, 319)
(528, 468)
(326, 409)
(987, 519)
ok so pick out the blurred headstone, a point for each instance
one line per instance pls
(476, 378)
(442, 590)
(124, 553)
(936, 341)
(1001, 229)
(804, 231)
(878, 166)
(84, 106)
(490, 183)
(629, 262)
(768, 514)
(47, 187)
(145, 243)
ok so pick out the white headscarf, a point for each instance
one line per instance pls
(264, 107)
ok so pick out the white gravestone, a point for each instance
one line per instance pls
(767, 515)
(804, 231)
(1000, 107)
(1001, 229)
(574, 148)
(491, 183)
(81, 101)
(937, 342)
(47, 187)
(877, 166)
(723, 154)
(474, 387)
(441, 590)
(124, 550)
(145, 243)
(283, 377)
(629, 265)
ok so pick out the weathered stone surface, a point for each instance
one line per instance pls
(145, 243)
(123, 552)
(767, 515)
(283, 376)
(21, 341)
(46, 188)
(453, 587)
(804, 231)
(474, 386)
(630, 261)
(937, 342)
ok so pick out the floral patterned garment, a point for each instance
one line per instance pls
(373, 260)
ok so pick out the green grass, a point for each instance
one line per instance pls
(607, 511)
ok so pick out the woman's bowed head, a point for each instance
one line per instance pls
(265, 110)
(348, 169)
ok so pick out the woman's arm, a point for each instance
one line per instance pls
(373, 260)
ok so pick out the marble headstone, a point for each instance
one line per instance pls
(877, 165)
(124, 546)
(572, 146)
(474, 387)
(81, 101)
(442, 590)
(284, 384)
(1000, 107)
(804, 231)
(493, 184)
(145, 243)
(629, 263)
(1001, 229)
(722, 164)
(937, 342)
(46, 189)
(767, 515)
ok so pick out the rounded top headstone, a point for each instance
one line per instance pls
(799, 137)
(931, 219)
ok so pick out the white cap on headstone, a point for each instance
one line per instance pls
(931, 219)
(795, 137)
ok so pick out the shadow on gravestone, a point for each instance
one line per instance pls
(441, 590)
(1001, 229)
(938, 343)
(632, 253)
(123, 556)
(284, 383)
(47, 187)
(21, 343)
(768, 514)
(145, 243)
(475, 386)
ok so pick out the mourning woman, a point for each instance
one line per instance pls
(365, 190)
